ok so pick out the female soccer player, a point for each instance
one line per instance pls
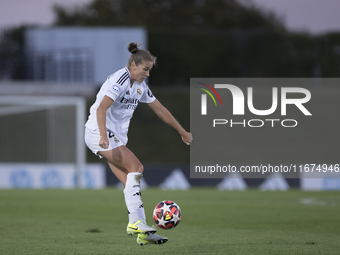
(107, 127)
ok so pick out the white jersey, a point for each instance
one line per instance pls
(126, 99)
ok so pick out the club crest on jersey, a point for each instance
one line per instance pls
(116, 139)
(139, 92)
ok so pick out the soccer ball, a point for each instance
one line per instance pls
(167, 214)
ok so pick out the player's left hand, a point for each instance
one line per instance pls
(187, 138)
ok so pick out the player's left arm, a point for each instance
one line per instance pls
(166, 116)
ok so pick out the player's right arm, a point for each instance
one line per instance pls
(101, 119)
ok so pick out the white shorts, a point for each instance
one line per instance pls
(92, 138)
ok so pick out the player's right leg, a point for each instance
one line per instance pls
(139, 227)
(128, 169)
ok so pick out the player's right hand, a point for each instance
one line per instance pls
(104, 142)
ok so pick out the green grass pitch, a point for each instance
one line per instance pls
(213, 222)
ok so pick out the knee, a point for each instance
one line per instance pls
(136, 169)
(140, 168)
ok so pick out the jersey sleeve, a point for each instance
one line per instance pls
(147, 96)
(112, 89)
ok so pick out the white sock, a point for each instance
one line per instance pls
(133, 199)
(141, 212)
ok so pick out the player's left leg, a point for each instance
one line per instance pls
(143, 239)
(121, 174)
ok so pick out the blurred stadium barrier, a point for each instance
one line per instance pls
(46, 176)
